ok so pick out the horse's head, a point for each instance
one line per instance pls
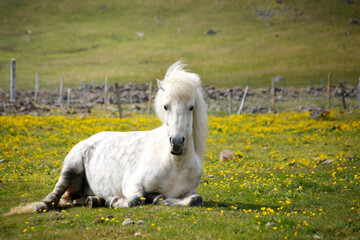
(178, 117)
(175, 104)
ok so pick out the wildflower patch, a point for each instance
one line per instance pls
(292, 177)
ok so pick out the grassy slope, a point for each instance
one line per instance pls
(86, 41)
(280, 177)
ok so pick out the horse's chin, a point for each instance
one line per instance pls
(176, 153)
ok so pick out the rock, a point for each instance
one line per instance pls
(270, 224)
(140, 34)
(315, 236)
(353, 21)
(140, 222)
(210, 32)
(319, 113)
(157, 20)
(226, 155)
(328, 161)
(128, 221)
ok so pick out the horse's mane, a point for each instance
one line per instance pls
(186, 85)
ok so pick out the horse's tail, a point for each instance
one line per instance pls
(22, 208)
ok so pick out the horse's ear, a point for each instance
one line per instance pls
(160, 84)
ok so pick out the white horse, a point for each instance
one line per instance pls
(161, 166)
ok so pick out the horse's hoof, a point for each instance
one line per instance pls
(158, 200)
(41, 207)
(135, 202)
(196, 201)
(94, 202)
(109, 202)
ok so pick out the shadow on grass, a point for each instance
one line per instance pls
(238, 205)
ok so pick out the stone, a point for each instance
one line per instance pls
(353, 21)
(140, 222)
(270, 224)
(210, 32)
(226, 155)
(128, 221)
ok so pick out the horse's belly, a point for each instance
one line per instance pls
(106, 168)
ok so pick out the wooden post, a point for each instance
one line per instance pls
(328, 92)
(243, 100)
(61, 91)
(68, 97)
(359, 93)
(105, 92)
(150, 90)
(37, 87)
(229, 101)
(12, 79)
(83, 92)
(273, 95)
(343, 95)
(118, 99)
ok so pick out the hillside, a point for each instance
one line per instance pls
(137, 40)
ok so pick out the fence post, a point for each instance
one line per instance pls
(150, 90)
(68, 97)
(229, 101)
(61, 91)
(328, 92)
(243, 100)
(105, 92)
(37, 86)
(273, 95)
(118, 99)
(359, 93)
(83, 92)
(12, 79)
(343, 95)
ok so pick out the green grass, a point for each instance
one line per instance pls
(279, 176)
(83, 41)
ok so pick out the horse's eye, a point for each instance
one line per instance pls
(191, 108)
(165, 107)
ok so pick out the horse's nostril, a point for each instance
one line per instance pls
(177, 140)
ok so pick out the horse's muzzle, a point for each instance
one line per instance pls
(177, 144)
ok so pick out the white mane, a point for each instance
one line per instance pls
(185, 85)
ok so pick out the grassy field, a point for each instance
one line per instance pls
(294, 178)
(91, 40)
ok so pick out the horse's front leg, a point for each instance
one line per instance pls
(191, 200)
(121, 202)
(132, 196)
